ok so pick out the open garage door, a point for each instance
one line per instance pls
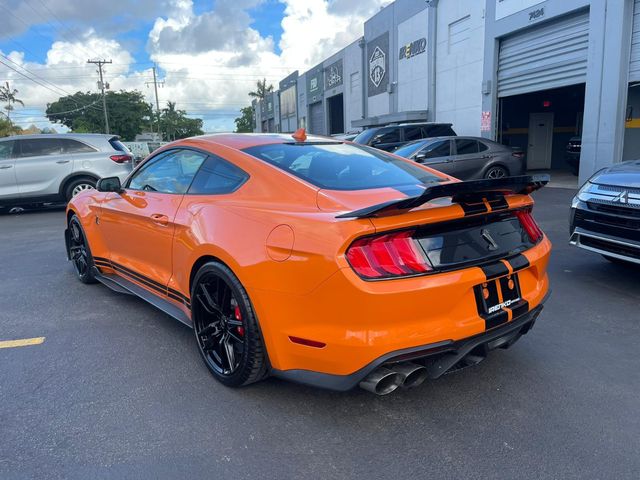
(634, 65)
(543, 57)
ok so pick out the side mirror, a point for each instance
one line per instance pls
(109, 184)
(420, 157)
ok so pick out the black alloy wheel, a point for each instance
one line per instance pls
(79, 252)
(226, 327)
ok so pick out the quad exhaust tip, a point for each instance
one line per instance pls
(383, 380)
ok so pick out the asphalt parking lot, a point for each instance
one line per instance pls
(117, 389)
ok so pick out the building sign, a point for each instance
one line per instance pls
(314, 84)
(333, 75)
(504, 8)
(485, 122)
(414, 48)
(378, 64)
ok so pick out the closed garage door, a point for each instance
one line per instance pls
(316, 118)
(550, 55)
(634, 66)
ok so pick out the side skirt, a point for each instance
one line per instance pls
(122, 285)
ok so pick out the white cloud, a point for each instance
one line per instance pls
(209, 61)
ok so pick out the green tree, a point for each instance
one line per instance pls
(244, 123)
(175, 124)
(129, 113)
(7, 128)
(261, 89)
(8, 96)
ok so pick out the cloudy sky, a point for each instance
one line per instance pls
(209, 52)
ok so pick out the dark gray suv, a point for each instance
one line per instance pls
(393, 136)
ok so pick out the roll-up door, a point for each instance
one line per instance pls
(316, 118)
(634, 65)
(550, 55)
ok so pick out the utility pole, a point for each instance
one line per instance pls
(155, 86)
(100, 63)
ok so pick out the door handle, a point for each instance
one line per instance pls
(160, 219)
(4, 167)
(63, 161)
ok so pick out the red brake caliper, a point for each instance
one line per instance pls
(238, 315)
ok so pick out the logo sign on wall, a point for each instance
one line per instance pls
(414, 48)
(378, 64)
(333, 75)
(313, 84)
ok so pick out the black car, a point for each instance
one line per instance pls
(605, 214)
(572, 154)
(393, 136)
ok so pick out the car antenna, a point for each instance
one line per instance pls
(300, 135)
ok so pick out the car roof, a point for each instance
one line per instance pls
(452, 137)
(241, 141)
(79, 136)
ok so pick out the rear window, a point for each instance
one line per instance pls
(339, 166)
(118, 145)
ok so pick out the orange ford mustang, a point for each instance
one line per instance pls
(318, 261)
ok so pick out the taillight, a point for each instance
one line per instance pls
(120, 158)
(385, 256)
(529, 224)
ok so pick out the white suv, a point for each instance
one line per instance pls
(51, 168)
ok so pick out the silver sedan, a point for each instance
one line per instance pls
(466, 158)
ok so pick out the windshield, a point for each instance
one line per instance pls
(365, 136)
(339, 166)
(409, 149)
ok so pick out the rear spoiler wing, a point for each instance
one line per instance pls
(466, 192)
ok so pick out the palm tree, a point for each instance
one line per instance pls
(261, 89)
(9, 96)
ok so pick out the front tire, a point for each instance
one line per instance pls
(79, 252)
(226, 327)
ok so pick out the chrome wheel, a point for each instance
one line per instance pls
(496, 172)
(81, 187)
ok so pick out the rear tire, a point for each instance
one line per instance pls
(77, 185)
(79, 252)
(496, 172)
(226, 327)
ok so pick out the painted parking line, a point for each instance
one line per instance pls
(24, 342)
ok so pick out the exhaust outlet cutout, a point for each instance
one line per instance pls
(412, 375)
(381, 381)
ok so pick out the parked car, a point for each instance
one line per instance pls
(605, 214)
(50, 168)
(287, 256)
(393, 136)
(347, 137)
(572, 154)
(466, 158)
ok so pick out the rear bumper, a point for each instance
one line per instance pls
(439, 358)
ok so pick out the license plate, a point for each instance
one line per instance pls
(495, 295)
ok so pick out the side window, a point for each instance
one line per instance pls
(483, 147)
(169, 172)
(436, 150)
(35, 147)
(6, 149)
(387, 135)
(216, 177)
(73, 146)
(412, 133)
(466, 146)
(438, 131)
